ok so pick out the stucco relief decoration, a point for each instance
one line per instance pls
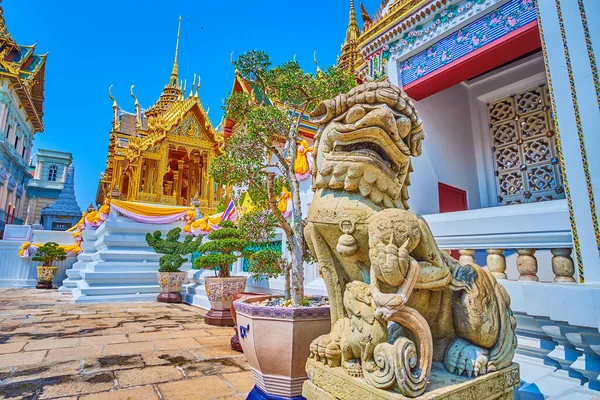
(190, 128)
(397, 301)
(491, 26)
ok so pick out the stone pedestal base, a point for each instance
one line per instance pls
(44, 285)
(219, 318)
(169, 297)
(334, 383)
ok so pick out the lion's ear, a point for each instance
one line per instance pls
(323, 112)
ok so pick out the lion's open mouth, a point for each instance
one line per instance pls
(368, 149)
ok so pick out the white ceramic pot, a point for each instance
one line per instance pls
(220, 292)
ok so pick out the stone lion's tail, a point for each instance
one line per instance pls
(502, 353)
(403, 364)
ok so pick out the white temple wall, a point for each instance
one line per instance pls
(448, 151)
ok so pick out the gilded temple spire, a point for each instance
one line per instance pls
(353, 31)
(175, 72)
(350, 52)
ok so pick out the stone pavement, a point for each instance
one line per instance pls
(51, 348)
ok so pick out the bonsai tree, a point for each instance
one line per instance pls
(49, 253)
(261, 152)
(225, 247)
(172, 248)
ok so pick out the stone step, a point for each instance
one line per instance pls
(119, 290)
(112, 298)
(108, 278)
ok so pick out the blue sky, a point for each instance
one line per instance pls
(97, 44)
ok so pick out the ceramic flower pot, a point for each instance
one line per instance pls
(220, 292)
(45, 275)
(170, 283)
(276, 342)
(235, 339)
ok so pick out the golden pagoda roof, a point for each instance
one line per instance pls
(26, 72)
(142, 130)
(172, 91)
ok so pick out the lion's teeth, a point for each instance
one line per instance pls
(376, 195)
(351, 184)
(355, 170)
(394, 190)
(327, 170)
(371, 175)
(387, 201)
(336, 182)
(383, 183)
(320, 181)
(364, 188)
(340, 169)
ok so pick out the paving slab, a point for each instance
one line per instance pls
(149, 375)
(51, 348)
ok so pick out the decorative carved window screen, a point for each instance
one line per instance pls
(524, 148)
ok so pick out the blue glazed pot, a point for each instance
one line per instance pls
(258, 394)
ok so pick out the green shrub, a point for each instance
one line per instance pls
(172, 248)
(49, 253)
(225, 247)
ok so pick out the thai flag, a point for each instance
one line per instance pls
(229, 211)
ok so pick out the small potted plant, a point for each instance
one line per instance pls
(169, 277)
(48, 254)
(225, 247)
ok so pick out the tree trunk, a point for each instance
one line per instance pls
(297, 286)
(287, 290)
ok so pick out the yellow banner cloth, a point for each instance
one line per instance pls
(148, 210)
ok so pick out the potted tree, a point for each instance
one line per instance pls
(264, 262)
(169, 277)
(48, 254)
(224, 248)
(260, 154)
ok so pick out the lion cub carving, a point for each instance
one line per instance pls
(380, 262)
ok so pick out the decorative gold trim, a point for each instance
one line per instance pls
(582, 148)
(574, 233)
(588, 43)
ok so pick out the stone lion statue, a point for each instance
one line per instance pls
(397, 301)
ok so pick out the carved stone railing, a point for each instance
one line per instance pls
(526, 229)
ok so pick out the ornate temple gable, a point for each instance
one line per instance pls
(190, 130)
(26, 72)
(430, 36)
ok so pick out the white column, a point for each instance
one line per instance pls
(392, 72)
(64, 175)
(3, 120)
(576, 106)
(38, 169)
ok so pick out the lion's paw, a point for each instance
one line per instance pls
(353, 368)
(463, 357)
(324, 349)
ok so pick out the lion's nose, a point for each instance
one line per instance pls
(383, 118)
